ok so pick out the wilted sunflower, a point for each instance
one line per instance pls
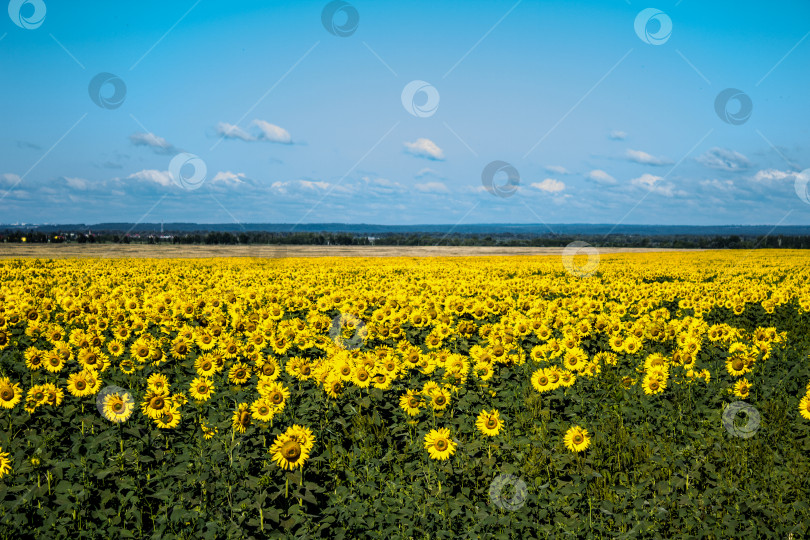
(201, 388)
(118, 406)
(489, 423)
(439, 444)
(241, 418)
(291, 448)
(5, 463)
(576, 439)
(10, 393)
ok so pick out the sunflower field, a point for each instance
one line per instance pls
(663, 395)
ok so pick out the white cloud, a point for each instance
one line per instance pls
(724, 159)
(76, 183)
(9, 179)
(230, 131)
(265, 131)
(227, 177)
(644, 158)
(601, 177)
(432, 187)
(425, 148)
(427, 171)
(651, 182)
(549, 185)
(557, 169)
(158, 144)
(272, 133)
(162, 178)
(722, 185)
(769, 175)
(617, 135)
(309, 184)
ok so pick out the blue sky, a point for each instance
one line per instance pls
(296, 124)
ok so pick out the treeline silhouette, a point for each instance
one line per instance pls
(416, 239)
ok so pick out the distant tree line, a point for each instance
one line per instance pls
(412, 239)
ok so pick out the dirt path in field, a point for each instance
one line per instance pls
(117, 251)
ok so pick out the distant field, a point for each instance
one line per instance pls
(61, 251)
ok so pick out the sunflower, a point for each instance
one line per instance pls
(78, 385)
(115, 348)
(205, 366)
(736, 365)
(333, 387)
(201, 388)
(804, 407)
(262, 410)
(34, 358)
(54, 394)
(10, 393)
(292, 448)
(269, 368)
(127, 366)
(241, 418)
(53, 362)
(576, 439)
(410, 402)
(118, 406)
(541, 381)
(239, 373)
(158, 382)
(653, 384)
(742, 388)
(439, 399)
(361, 377)
(489, 423)
(439, 444)
(155, 403)
(169, 418)
(208, 432)
(5, 463)
(277, 395)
